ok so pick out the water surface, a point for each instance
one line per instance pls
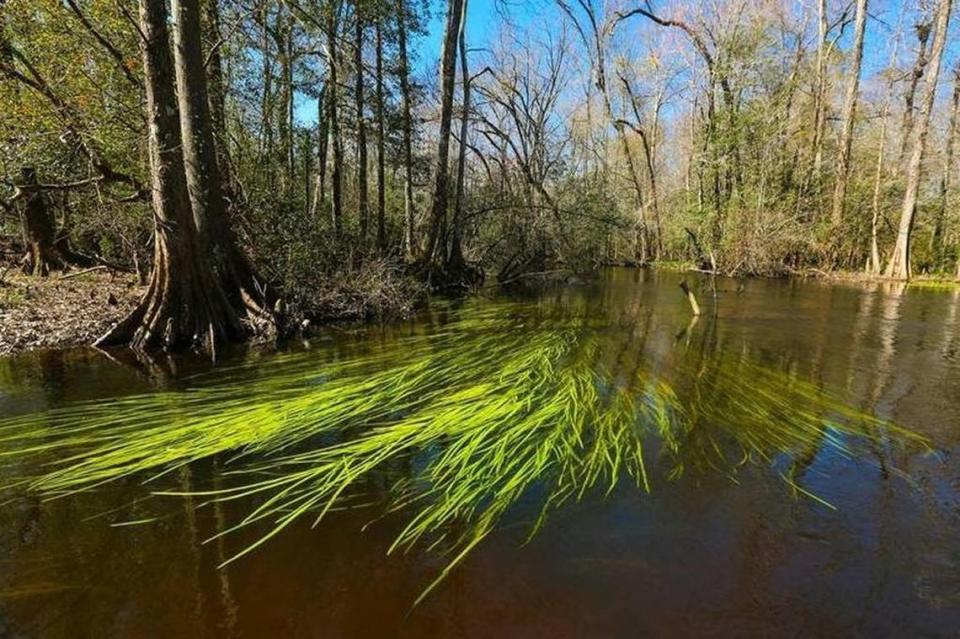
(580, 461)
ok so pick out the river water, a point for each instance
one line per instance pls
(580, 461)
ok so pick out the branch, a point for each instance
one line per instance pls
(692, 33)
(71, 120)
(106, 44)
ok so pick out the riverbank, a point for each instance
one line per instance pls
(918, 281)
(62, 310)
(75, 308)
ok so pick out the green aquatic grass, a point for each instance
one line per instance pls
(499, 404)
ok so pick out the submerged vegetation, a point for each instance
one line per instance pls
(499, 402)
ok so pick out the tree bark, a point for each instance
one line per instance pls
(923, 35)
(185, 305)
(266, 102)
(239, 280)
(849, 113)
(441, 173)
(336, 209)
(217, 97)
(363, 207)
(323, 136)
(946, 178)
(820, 96)
(456, 262)
(876, 267)
(381, 137)
(899, 265)
(410, 242)
(39, 228)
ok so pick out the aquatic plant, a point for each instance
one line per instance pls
(497, 402)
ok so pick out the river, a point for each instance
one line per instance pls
(584, 460)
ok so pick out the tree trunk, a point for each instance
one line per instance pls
(381, 136)
(336, 209)
(39, 228)
(875, 267)
(946, 179)
(849, 112)
(323, 135)
(199, 150)
(289, 143)
(649, 154)
(906, 128)
(448, 73)
(218, 100)
(236, 274)
(456, 262)
(410, 242)
(184, 305)
(266, 102)
(899, 265)
(642, 252)
(820, 95)
(363, 208)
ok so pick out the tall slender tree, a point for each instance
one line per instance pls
(849, 113)
(410, 241)
(875, 267)
(906, 127)
(333, 116)
(381, 143)
(441, 171)
(946, 176)
(363, 207)
(899, 265)
(456, 261)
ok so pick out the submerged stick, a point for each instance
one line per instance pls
(694, 306)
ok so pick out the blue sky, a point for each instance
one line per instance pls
(485, 16)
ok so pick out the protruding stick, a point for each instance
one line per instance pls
(691, 298)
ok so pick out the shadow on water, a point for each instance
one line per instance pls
(488, 413)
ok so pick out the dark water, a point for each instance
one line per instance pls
(814, 489)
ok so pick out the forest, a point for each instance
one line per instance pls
(479, 318)
(262, 164)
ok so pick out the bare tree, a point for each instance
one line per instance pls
(875, 266)
(899, 265)
(595, 36)
(448, 73)
(849, 112)
(923, 38)
(946, 177)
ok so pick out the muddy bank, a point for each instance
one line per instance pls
(75, 309)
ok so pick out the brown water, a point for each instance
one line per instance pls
(818, 540)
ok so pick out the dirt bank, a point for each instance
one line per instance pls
(61, 311)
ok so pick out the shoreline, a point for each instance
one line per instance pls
(859, 277)
(73, 310)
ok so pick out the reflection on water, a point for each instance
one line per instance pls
(519, 441)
